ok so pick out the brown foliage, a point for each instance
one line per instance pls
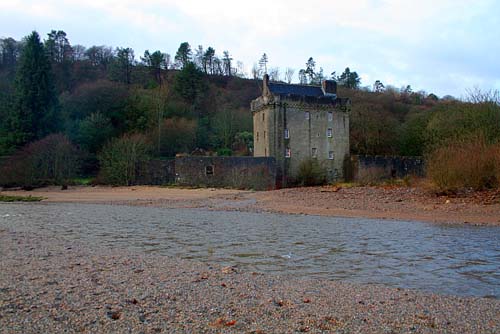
(464, 164)
(51, 160)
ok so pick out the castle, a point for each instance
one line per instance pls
(293, 123)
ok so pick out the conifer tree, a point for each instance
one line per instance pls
(36, 113)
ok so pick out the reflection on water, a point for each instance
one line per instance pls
(462, 260)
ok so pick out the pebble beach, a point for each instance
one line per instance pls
(51, 285)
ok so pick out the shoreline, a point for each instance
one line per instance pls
(50, 284)
(394, 203)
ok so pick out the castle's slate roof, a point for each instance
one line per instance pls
(301, 90)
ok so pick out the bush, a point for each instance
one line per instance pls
(311, 173)
(464, 164)
(123, 159)
(51, 160)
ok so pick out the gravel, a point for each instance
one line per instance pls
(51, 285)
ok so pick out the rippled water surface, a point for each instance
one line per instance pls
(461, 260)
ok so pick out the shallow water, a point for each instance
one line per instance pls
(459, 260)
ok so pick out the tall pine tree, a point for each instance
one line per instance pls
(36, 113)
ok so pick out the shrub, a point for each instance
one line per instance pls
(311, 173)
(464, 164)
(51, 160)
(123, 159)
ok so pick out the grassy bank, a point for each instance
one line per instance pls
(7, 198)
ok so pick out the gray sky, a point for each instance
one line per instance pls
(440, 46)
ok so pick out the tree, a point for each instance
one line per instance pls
(183, 55)
(58, 47)
(349, 79)
(9, 54)
(263, 63)
(155, 62)
(378, 87)
(79, 52)
(189, 83)
(289, 72)
(100, 56)
(37, 109)
(208, 61)
(310, 69)
(198, 56)
(274, 74)
(60, 54)
(302, 77)
(123, 159)
(256, 72)
(122, 65)
(227, 63)
(319, 77)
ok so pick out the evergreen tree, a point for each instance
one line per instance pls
(310, 70)
(183, 55)
(36, 113)
(155, 61)
(263, 63)
(349, 79)
(122, 65)
(189, 84)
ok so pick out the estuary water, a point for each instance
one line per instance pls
(447, 259)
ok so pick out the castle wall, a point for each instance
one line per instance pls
(231, 172)
(308, 128)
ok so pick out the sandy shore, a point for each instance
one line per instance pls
(401, 203)
(50, 285)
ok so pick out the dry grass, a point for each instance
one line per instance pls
(464, 164)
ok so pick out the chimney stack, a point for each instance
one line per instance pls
(329, 87)
(265, 85)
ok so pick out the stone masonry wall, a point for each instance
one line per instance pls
(232, 172)
(158, 172)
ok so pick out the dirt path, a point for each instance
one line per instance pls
(400, 203)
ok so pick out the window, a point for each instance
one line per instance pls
(329, 132)
(288, 153)
(314, 152)
(263, 115)
(330, 155)
(330, 116)
(287, 134)
(209, 170)
(257, 136)
(306, 114)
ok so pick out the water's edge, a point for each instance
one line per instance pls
(449, 259)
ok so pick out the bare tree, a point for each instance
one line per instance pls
(289, 72)
(274, 74)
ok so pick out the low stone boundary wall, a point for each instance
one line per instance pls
(158, 172)
(233, 172)
(366, 168)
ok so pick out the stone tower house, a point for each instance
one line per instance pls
(293, 123)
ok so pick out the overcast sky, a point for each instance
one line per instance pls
(440, 46)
